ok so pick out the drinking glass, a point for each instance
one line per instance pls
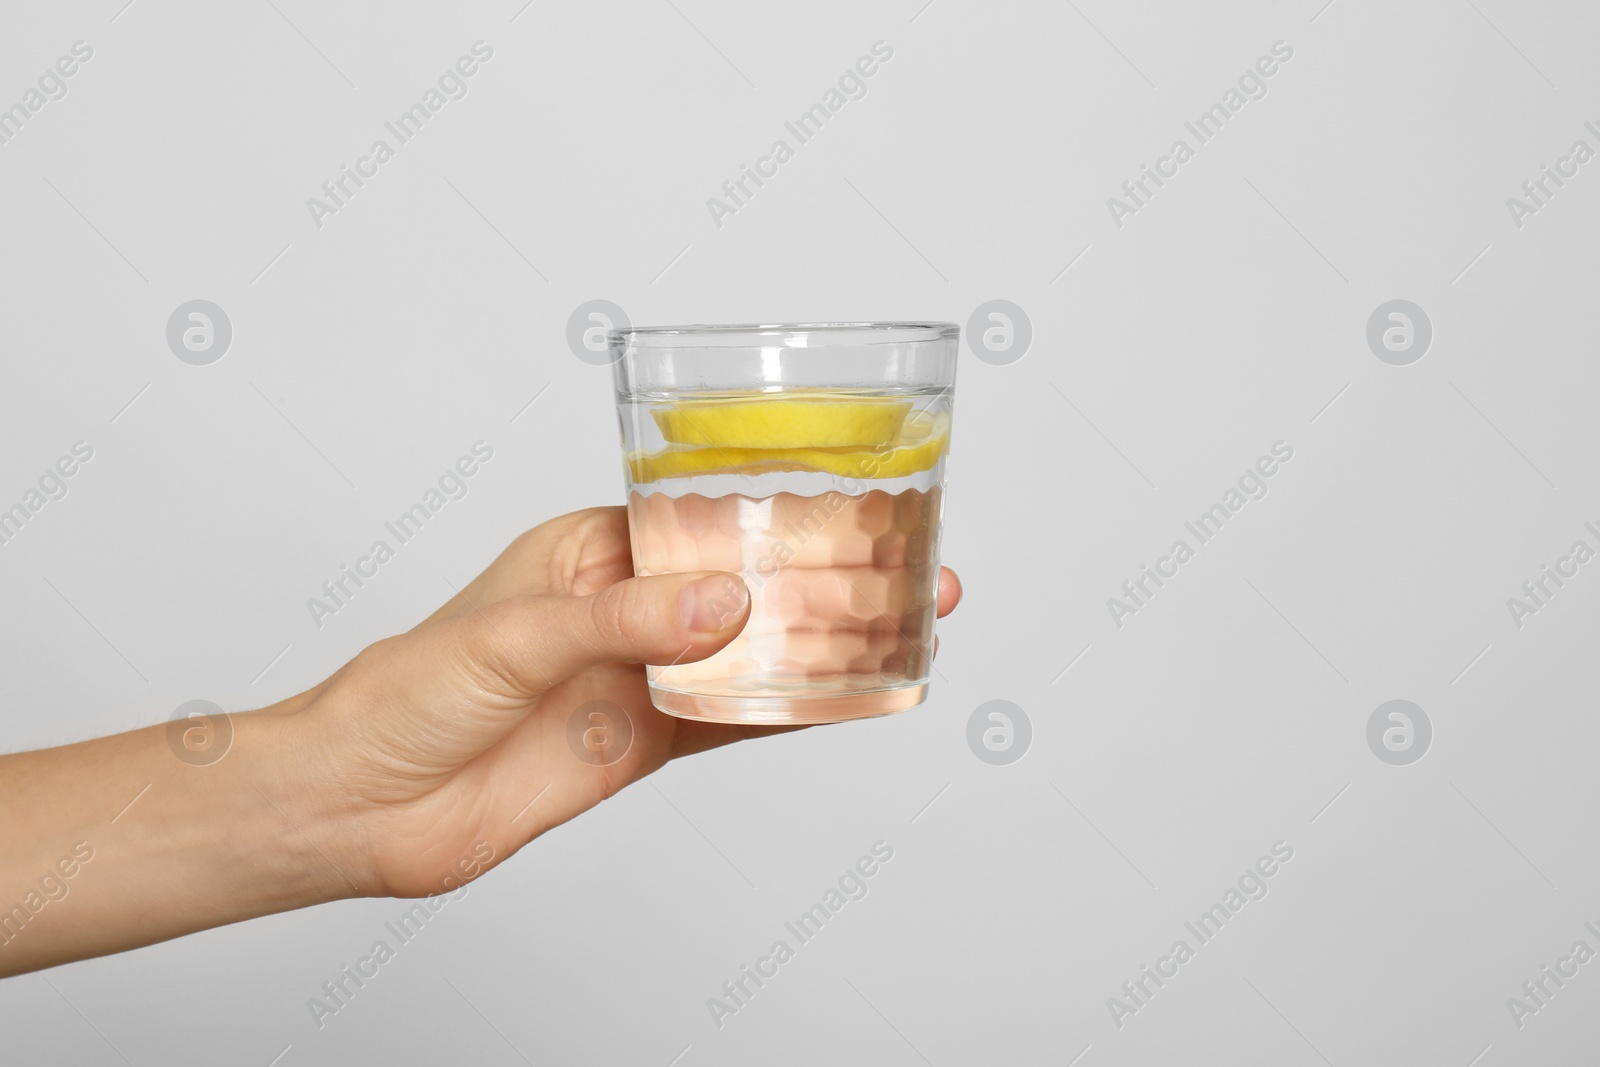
(810, 460)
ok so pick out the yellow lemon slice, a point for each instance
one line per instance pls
(793, 421)
(919, 445)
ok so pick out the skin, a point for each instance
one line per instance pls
(428, 759)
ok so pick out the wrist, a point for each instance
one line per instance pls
(288, 771)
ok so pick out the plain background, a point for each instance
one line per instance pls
(1168, 354)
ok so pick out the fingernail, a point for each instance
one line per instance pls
(709, 605)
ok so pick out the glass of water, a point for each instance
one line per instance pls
(810, 460)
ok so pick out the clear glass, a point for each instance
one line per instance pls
(810, 460)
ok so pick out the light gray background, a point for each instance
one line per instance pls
(1228, 314)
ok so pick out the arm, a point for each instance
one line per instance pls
(116, 843)
(422, 763)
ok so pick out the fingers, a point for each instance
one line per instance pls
(578, 553)
(535, 642)
(582, 553)
(949, 591)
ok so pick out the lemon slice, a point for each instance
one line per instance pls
(918, 446)
(785, 422)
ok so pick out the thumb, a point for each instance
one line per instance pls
(660, 620)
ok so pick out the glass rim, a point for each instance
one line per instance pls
(782, 335)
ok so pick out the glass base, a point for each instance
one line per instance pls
(791, 710)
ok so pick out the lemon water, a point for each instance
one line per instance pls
(827, 503)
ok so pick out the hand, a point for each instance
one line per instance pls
(446, 747)
(423, 762)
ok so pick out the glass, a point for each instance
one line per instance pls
(809, 459)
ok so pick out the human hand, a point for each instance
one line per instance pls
(423, 762)
(444, 750)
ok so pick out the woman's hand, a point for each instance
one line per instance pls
(423, 762)
(449, 745)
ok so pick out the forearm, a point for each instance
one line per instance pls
(117, 842)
